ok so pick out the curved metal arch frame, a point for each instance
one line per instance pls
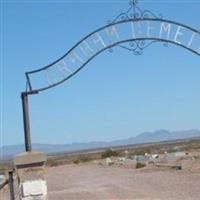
(108, 47)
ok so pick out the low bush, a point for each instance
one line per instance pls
(109, 153)
(76, 162)
(140, 165)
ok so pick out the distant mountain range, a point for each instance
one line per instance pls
(147, 137)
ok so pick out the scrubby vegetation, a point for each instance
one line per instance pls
(82, 159)
(76, 162)
(69, 158)
(109, 153)
(142, 151)
(140, 165)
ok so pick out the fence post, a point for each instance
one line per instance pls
(11, 185)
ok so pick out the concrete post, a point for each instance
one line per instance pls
(30, 168)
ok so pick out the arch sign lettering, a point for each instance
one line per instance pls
(133, 30)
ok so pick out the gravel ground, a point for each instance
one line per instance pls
(95, 182)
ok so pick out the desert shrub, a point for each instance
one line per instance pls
(85, 159)
(140, 165)
(76, 161)
(109, 153)
(142, 151)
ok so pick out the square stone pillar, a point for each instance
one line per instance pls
(30, 168)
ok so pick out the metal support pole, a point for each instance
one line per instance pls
(26, 121)
(3, 184)
(11, 185)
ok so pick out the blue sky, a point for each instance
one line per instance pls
(117, 95)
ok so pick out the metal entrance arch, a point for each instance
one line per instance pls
(133, 30)
(136, 44)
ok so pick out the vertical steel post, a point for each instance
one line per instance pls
(11, 185)
(26, 121)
